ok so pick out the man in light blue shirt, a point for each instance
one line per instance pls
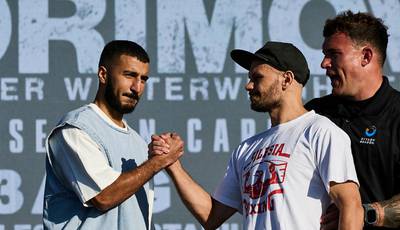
(97, 167)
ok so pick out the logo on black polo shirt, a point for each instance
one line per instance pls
(369, 134)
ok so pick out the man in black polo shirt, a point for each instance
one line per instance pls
(367, 108)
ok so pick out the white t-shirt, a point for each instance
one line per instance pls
(92, 172)
(279, 179)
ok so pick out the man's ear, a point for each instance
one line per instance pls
(367, 54)
(288, 78)
(102, 75)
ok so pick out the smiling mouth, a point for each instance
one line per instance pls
(334, 83)
(335, 80)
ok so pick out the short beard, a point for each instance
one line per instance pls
(264, 108)
(113, 102)
(267, 100)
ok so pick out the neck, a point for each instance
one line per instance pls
(286, 112)
(369, 89)
(369, 81)
(115, 116)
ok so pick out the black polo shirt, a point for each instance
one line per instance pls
(374, 129)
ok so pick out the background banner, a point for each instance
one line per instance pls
(49, 52)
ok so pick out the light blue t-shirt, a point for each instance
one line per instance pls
(125, 150)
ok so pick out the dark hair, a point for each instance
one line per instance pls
(361, 28)
(116, 48)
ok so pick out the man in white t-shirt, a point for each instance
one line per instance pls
(286, 176)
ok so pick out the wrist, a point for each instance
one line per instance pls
(174, 167)
(373, 214)
(155, 164)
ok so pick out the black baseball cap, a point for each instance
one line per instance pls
(280, 55)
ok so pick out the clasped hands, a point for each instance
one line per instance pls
(167, 147)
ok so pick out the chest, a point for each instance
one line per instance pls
(124, 151)
(266, 164)
(373, 135)
(375, 143)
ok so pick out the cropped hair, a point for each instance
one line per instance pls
(361, 28)
(116, 48)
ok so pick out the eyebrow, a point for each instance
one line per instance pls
(254, 74)
(330, 50)
(130, 72)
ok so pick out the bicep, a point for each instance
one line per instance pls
(345, 194)
(347, 198)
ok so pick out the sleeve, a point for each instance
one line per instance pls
(228, 190)
(333, 157)
(83, 165)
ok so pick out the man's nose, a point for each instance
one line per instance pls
(326, 63)
(136, 85)
(249, 86)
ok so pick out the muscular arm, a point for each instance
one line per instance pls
(209, 212)
(128, 183)
(81, 162)
(347, 198)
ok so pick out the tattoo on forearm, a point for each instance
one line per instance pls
(391, 209)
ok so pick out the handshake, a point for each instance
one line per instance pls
(166, 148)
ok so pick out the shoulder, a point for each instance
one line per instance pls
(322, 127)
(322, 122)
(394, 99)
(73, 122)
(329, 106)
(247, 144)
(254, 139)
(74, 114)
(321, 103)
